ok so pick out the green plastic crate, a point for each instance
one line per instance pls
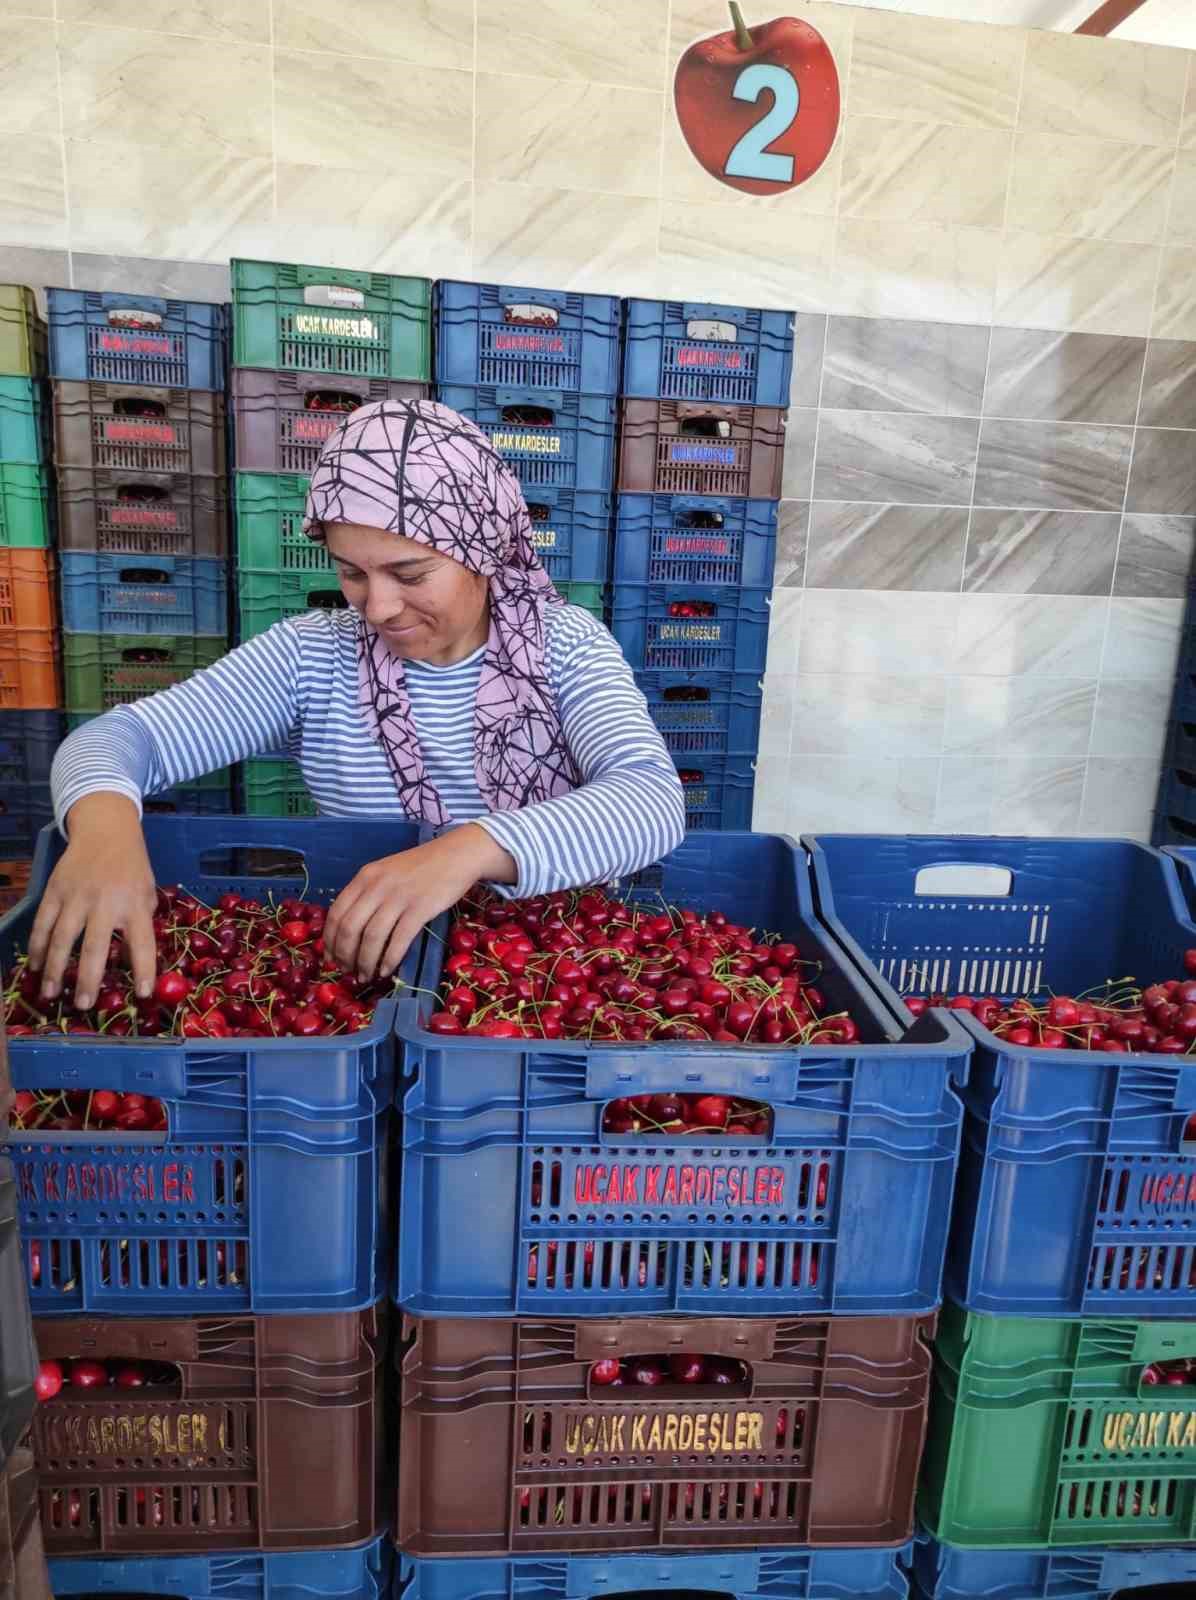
(1042, 1434)
(264, 598)
(273, 786)
(23, 420)
(24, 506)
(588, 596)
(322, 319)
(23, 341)
(102, 670)
(270, 533)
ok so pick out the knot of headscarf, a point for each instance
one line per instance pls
(418, 469)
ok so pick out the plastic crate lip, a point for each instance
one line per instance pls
(154, 1575)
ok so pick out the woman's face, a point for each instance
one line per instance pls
(424, 606)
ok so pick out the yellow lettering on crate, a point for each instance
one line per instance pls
(1127, 1431)
(542, 444)
(638, 1424)
(700, 1424)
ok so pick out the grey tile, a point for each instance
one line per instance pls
(885, 547)
(1131, 719)
(1052, 465)
(1163, 478)
(1119, 796)
(793, 530)
(912, 460)
(798, 465)
(1041, 552)
(1051, 718)
(884, 364)
(1010, 794)
(809, 341)
(172, 280)
(1063, 377)
(1154, 559)
(40, 269)
(1169, 386)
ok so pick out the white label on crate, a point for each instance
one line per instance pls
(706, 328)
(134, 317)
(333, 294)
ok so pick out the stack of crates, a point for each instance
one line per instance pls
(1175, 813)
(701, 441)
(310, 344)
(537, 370)
(139, 442)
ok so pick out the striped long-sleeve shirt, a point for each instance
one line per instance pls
(295, 689)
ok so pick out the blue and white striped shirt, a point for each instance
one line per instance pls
(295, 689)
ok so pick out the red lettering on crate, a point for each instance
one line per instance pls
(130, 516)
(121, 431)
(696, 545)
(690, 355)
(1174, 1191)
(141, 344)
(622, 1185)
(315, 424)
(139, 1182)
(548, 343)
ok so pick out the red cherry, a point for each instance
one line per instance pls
(49, 1380)
(87, 1374)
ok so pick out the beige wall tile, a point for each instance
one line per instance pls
(1181, 211)
(32, 192)
(838, 715)
(377, 222)
(1090, 286)
(683, 178)
(765, 257)
(26, 8)
(925, 67)
(1175, 303)
(619, 41)
(28, 78)
(691, 20)
(784, 631)
(529, 130)
(117, 83)
(886, 269)
(428, 33)
(924, 172)
(1105, 88)
(247, 21)
(1119, 797)
(1089, 187)
(564, 237)
(875, 631)
(1187, 133)
(343, 111)
(1011, 793)
(860, 794)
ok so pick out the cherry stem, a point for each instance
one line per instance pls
(742, 37)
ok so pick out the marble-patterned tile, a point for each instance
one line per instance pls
(1155, 558)
(1175, 302)
(872, 631)
(855, 546)
(1010, 794)
(1103, 88)
(926, 270)
(1026, 715)
(769, 257)
(1163, 476)
(372, 221)
(565, 237)
(32, 193)
(26, 8)
(362, 126)
(935, 69)
(1090, 188)
(1169, 384)
(784, 631)
(1181, 209)
(888, 456)
(169, 280)
(776, 715)
(426, 33)
(1187, 131)
(1063, 377)
(888, 364)
(793, 533)
(809, 344)
(616, 41)
(201, 94)
(772, 794)
(28, 79)
(590, 136)
(40, 269)
(1091, 285)
(896, 171)
(1131, 719)
(862, 794)
(1119, 797)
(1044, 636)
(1143, 640)
(1063, 466)
(1041, 552)
(797, 472)
(243, 21)
(837, 715)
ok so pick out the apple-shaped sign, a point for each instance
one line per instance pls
(759, 107)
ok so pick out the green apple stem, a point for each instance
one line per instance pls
(742, 37)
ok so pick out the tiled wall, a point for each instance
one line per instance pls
(990, 502)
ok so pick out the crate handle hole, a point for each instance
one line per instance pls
(704, 428)
(151, 576)
(537, 511)
(701, 519)
(139, 493)
(260, 861)
(327, 600)
(330, 400)
(141, 655)
(138, 406)
(685, 693)
(528, 416)
(964, 879)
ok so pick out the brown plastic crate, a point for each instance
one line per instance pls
(283, 418)
(696, 447)
(23, 1573)
(14, 883)
(270, 1436)
(508, 1447)
(135, 428)
(142, 513)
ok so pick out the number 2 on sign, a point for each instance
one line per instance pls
(751, 157)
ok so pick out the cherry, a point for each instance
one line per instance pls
(50, 1379)
(606, 1371)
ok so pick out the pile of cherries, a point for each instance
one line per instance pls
(587, 966)
(691, 608)
(649, 1372)
(687, 1114)
(90, 1110)
(1177, 1374)
(54, 1376)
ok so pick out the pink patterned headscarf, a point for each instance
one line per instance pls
(416, 468)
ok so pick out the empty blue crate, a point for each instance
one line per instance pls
(859, 1165)
(685, 350)
(691, 629)
(266, 1192)
(672, 538)
(149, 595)
(718, 792)
(1092, 1572)
(136, 338)
(1077, 1185)
(705, 714)
(493, 333)
(571, 533)
(361, 1572)
(549, 438)
(28, 740)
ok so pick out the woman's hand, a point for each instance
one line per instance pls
(104, 882)
(374, 921)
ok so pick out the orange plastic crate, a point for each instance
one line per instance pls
(29, 651)
(27, 590)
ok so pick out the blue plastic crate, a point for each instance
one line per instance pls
(151, 595)
(718, 793)
(551, 439)
(493, 333)
(211, 797)
(1059, 1210)
(571, 533)
(694, 629)
(727, 1574)
(679, 350)
(272, 1167)
(1177, 793)
(362, 1572)
(672, 538)
(863, 1150)
(136, 338)
(23, 420)
(1094, 1572)
(705, 714)
(28, 740)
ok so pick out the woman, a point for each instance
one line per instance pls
(458, 690)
